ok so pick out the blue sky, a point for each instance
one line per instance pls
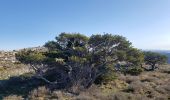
(29, 23)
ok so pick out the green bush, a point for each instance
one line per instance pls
(106, 78)
(134, 71)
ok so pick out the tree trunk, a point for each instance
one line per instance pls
(153, 66)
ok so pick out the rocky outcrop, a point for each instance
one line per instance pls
(39, 49)
(7, 56)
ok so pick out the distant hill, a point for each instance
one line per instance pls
(164, 52)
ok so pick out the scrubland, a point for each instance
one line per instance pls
(149, 85)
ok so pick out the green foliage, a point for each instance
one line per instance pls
(86, 56)
(30, 57)
(109, 47)
(135, 56)
(67, 40)
(134, 71)
(107, 77)
(153, 58)
(78, 59)
(52, 45)
(121, 55)
(109, 42)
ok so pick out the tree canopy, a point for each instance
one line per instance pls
(153, 58)
(82, 60)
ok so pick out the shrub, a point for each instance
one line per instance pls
(106, 77)
(134, 71)
(86, 59)
(153, 58)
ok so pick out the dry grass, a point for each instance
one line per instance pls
(15, 70)
(146, 86)
(13, 97)
(42, 93)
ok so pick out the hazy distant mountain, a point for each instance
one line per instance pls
(164, 52)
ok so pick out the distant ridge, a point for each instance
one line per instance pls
(39, 48)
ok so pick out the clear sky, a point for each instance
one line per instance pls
(29, 23)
